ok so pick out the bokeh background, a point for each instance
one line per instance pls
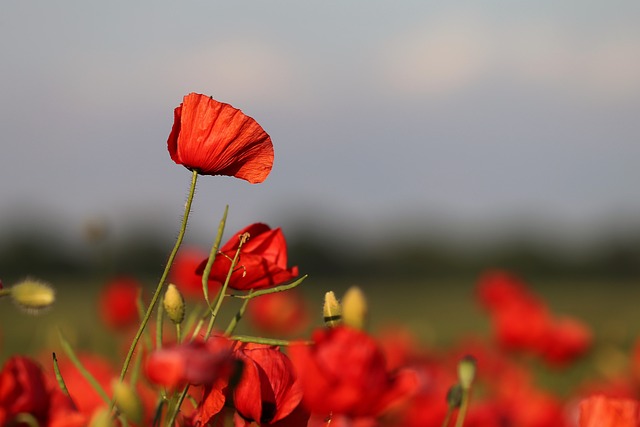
(417, 142)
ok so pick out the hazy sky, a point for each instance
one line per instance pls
(378, 110)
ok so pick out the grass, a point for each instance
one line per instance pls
(437, 312)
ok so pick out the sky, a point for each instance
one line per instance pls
(385, 116)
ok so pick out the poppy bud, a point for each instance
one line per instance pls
(174, 304)
(331, 310)
(127, 401)
(354, 308)
(466, 371)
(33, 295)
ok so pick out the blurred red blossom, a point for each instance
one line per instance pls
(118, 302)
(523, 322)
(344, 373)
(602, 411)
(24, 388)
(214, 138)
(193, 363)
(262, 262)
(184, 275)
(267, 392)
(283, 313)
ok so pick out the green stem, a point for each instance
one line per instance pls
(178, 333)
(212, 257)
(83, 371)
(158, 412)
(156, 295)
(267, 341)
(222, 292)
(238, 316)
(174, 415)
(159, 314)
(447, 417)
(280, 288)
(462, 412)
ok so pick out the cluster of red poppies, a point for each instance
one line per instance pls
(341, 377)
(201, 375)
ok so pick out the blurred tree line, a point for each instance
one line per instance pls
(143, 250)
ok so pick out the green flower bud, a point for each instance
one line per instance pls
(467, 371)
(33, 295)
(128, 401)
(354, 308)
(331, 310)
(174, 304)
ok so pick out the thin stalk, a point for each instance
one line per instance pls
(447, 418)
(274, 290)
(159, 314)
(83, 371)
(176, 410)
(156, 294)
(212, 257)
(267, 341)
(222, 292)
(234, 322)
(462, 412)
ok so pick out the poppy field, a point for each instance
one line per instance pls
(234, 335)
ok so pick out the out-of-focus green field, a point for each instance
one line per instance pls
(438, 312)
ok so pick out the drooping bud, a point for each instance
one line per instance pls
(331, 311)
(128, 401)
(354, 308)
(467, 371)
(33, 295)
(174, 304)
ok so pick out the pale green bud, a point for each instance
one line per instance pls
(354, 308)
(331, 310)
(33, 295)
(174, 304)
(128, 401)
(467, 371)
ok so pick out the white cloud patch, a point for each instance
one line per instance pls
(437, 59)
(456, 51)
(242, 71)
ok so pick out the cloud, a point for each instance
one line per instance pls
(437, 59)
(454, 52)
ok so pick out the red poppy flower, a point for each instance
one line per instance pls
(344, 373)
(118, 303)
(523, 322)
(262, 263)
(214, 138)
(268, 390)
(25, 389)
(22, 389)
(196, 363)
(280, 313)
(602, 411)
